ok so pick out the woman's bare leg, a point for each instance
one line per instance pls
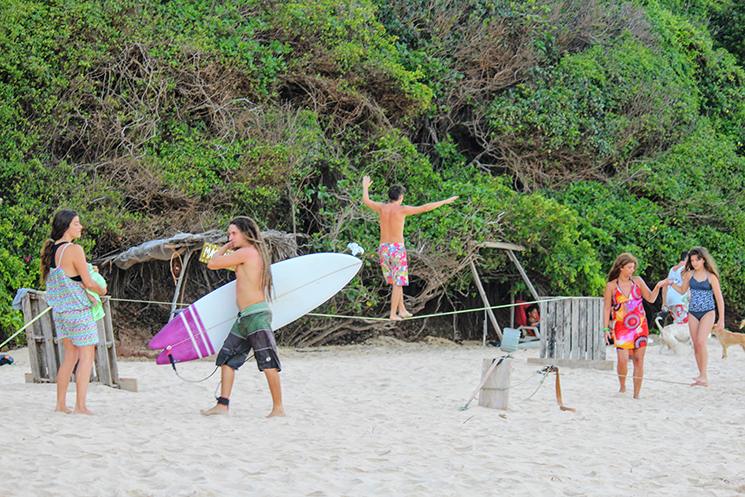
(699, 333)
(64, 374)
(623, 360)
(638, 369)
(83, 377)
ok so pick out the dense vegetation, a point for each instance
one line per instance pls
(577, 128)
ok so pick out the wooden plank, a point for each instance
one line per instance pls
(101, 365)
(111, 345)
(599, 336)
(512, 308)
(128, 384)
(51, 356)
(480, 288)
(524, 275)
(558, 316)
(574, 345)
(551, 316)
(593, 329)
(544, 327)
(567, 346)
(571, 363)
(557, 324)
(503, 246)
(495, 392)
(33, 354)
(582, 331)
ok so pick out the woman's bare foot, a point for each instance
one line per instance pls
(700, 382)
(219, 409)
(405, 314)
(83, 411)
(277, 413)
(62, 409)
(394, 317)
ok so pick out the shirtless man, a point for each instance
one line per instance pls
(252, 329)
(392, 250)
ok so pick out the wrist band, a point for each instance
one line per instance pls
(606, 329)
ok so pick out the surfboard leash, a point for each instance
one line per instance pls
(173, 365)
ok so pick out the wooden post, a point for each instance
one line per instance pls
(492, 318)
(181, 278)
(523, 274)
(512, 307)
(110, 343)
(33, 356)
(486, 328)
(495, 392)
(574, 345)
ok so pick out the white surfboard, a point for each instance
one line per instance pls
(300, 285)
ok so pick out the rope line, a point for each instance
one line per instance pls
(370, 318)
(545, 375)
(514, 386)
(449, 313)
(25, 326)
(642, 378)
(145, 301)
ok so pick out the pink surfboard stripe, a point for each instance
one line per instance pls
(196, 333)
(202, 328)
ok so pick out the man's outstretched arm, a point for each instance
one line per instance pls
(366, 182)
(408, 209)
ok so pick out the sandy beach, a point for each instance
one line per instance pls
(380, 419)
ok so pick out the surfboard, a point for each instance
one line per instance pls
(300, 285)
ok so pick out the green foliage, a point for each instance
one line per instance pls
(609, 102)
(623, 128)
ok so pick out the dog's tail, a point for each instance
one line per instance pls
(657, 322)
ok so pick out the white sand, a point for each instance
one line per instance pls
(380, 420)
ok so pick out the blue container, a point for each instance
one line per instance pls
(510, 338)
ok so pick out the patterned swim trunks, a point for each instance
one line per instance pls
(394, 263)
(252, 330)
(78, 325)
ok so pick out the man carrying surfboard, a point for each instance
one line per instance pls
(392, 250)
(252, 329)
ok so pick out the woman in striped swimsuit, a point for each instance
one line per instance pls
(701, 276)
(624, 318)
(65, 272)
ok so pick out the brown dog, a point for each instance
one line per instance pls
(727, 338)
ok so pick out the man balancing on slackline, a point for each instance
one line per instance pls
(392, 250)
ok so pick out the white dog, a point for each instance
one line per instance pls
(675, 337)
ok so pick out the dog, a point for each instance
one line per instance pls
(727, 338)
(674, 337)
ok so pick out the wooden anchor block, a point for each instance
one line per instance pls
(495, 391)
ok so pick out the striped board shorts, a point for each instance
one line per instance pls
(78, 325)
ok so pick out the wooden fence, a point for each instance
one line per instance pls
(572, 329)
(46, 352)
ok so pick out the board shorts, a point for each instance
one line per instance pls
(252, 330)
(394, 264)
(78, 325)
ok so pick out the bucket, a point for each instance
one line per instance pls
(510, 338)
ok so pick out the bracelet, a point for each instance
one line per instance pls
(606, 329)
